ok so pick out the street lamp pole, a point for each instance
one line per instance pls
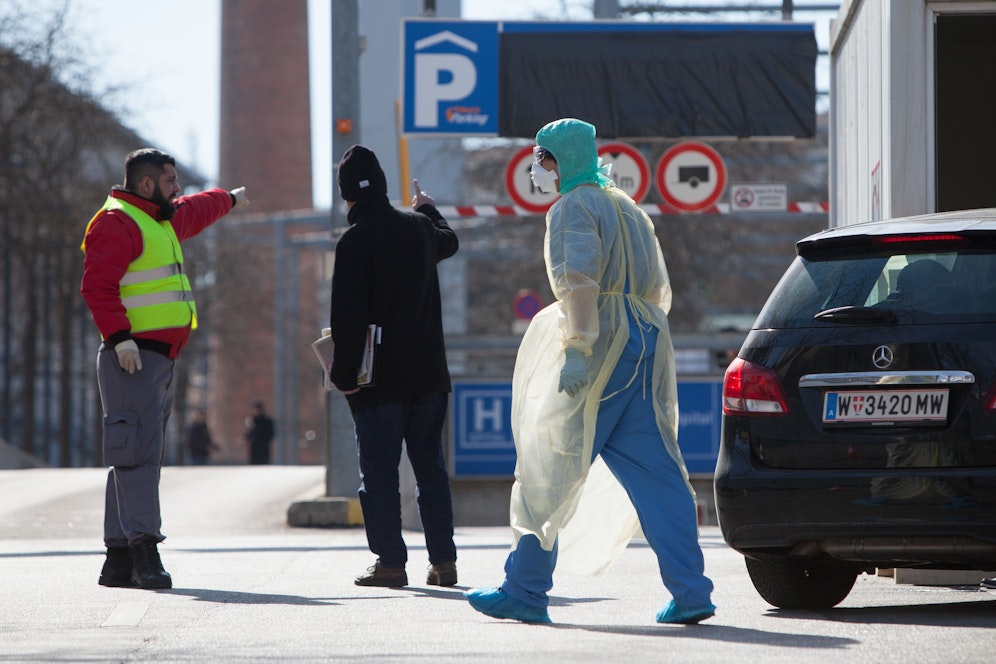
(342, 469)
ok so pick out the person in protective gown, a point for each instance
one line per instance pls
(594, 400)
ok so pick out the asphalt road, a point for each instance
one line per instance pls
(250, 589)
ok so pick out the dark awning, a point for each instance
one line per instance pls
(660, 80)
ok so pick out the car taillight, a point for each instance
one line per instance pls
(991, 399)
(753, 390)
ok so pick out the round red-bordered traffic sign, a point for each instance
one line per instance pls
(520, 185)
(742, 198)
(691, 177)
(630, 170)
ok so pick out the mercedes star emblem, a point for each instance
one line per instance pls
(882, 357)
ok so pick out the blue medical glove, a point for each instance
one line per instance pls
(574, 375)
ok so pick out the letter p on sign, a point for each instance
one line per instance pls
(440, 77)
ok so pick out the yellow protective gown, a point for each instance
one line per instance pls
(594, 235)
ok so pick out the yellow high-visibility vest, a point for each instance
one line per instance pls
(154, 291)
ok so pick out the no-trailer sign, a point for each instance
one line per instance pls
(691, 177)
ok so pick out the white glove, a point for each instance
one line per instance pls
(240, 197)
(574, 374)
(128, 357)
(420, 198)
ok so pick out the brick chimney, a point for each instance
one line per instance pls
(265, 145)
(265, 124)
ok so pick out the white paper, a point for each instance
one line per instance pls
(365, 374)
(324, 348)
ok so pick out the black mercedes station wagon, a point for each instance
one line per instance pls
(859, 418)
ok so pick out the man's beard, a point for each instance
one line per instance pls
(166, 207)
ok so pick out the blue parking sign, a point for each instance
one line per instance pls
(451, 77)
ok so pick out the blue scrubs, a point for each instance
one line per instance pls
(627, 437)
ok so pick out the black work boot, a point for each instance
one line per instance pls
(149, 572)
(117, 569)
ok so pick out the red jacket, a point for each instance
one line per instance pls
(114, 241)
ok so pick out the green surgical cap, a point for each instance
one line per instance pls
(572, 143)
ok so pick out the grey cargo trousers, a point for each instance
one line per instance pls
(136, 409)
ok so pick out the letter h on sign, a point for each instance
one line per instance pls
(488, 415)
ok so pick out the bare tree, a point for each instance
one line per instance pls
(53, 145)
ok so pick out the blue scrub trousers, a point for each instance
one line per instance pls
(627, 437)
(380, 431)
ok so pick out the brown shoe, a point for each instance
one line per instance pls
(442, 574)
(387, 577)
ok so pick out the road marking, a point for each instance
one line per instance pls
(127, 614)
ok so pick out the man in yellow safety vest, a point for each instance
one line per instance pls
(136, 289)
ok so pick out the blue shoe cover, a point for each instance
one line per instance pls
(679, 615)
(495, 603)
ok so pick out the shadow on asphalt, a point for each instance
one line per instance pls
(187, 549)
(52, 554)
(704, 631)
(722, 633)
(232, 597)
(973, 613)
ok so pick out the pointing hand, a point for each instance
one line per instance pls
(420, 198)
(240, 197)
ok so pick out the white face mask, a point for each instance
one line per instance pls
(545, 181)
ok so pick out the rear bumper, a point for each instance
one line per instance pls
(941, 518)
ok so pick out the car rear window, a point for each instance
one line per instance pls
(943, 285)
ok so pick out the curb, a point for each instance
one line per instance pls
(325, 512)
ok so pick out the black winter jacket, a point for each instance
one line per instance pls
(385, 273)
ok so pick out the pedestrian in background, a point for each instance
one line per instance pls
(259, 435)
(595, 377)
(136, 289)
(385, 275)
(199, 443)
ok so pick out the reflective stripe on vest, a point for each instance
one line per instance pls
(139, 276)
(155, 291)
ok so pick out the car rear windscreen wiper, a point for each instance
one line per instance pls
(857, 314)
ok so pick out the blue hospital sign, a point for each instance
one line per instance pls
(483, 446)
(451, 77)
(482, 430)
(700, 420)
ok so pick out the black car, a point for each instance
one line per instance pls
(859, 418)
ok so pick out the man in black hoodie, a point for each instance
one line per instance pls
(385, 275)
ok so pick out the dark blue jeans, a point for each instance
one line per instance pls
(379, 434)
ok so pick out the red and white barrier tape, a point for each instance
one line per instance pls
(454, 211)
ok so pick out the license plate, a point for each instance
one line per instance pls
(886, 406)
